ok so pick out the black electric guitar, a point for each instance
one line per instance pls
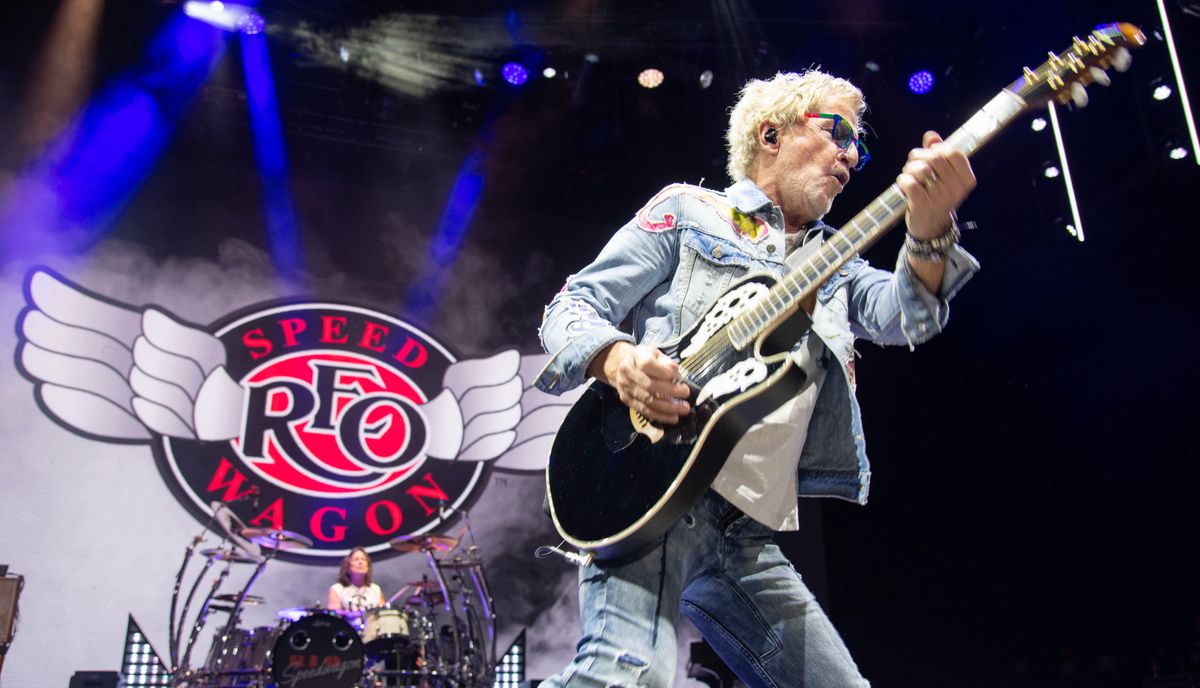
(617, 482)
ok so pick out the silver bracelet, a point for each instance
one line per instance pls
(933, 250)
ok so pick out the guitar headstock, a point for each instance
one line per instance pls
(1053, 79)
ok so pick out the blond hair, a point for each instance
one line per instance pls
(782, 101)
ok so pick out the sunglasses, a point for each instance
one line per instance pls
(843, 135)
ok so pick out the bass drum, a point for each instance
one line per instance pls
(318, 651)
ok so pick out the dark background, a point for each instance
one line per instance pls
(1032, 517)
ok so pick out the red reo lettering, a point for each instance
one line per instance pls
(331, 329)
(315, 524)
(220, 480)
(419, 492)
(394, 516)
(273, 513)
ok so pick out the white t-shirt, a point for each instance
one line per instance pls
(356, 598)
(760, 475)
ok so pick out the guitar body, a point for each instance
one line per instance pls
(613, 492)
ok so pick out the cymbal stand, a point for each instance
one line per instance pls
(237, 607)
(489, 610)
(175, 636)
(201, 619)
(437, 570)
(481, 586)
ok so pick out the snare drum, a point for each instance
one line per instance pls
(386, 628)
(318, 651)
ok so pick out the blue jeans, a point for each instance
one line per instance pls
(724, 571)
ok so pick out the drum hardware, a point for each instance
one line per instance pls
(424, 543)
(275, 539)
(231, 555)
(223, 517)
(230, 639)
(251, 600)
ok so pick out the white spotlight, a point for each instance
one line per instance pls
(228, 16)
(706, 78)
(1051, 172)
(549, 72)
(1162, 92)
(651, 78)
(1037, 124)
(1177, 153)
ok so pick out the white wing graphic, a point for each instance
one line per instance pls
(115, 372)
(541, 414)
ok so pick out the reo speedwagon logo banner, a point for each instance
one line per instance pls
(335, 421)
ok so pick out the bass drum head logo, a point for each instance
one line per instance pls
(333, 435)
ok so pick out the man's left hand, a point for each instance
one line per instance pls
(935, 180)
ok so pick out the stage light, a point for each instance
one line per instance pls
(549, 72)
(1038, 124)
(230, 17)
(593, 58)
(140, 665)
(921, 82)
(479, 80)
(1162, 92)
(510, 670)
(1050, 171)
(872, 66)
(344, 54)
(651, 78)
(1177, 153)
(706, 78)
(514, 73)
(251, 24)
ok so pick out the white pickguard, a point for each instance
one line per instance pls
(731, 304)
(737, 379)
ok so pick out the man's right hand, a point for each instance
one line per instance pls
(645, 378)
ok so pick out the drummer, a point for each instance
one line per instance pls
(354, 590)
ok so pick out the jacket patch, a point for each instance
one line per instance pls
(582, 318)
(750, 226)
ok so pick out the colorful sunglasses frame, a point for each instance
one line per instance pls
(843, 135)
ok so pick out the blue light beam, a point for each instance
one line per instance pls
(71, 195)
(270, 155)
(456, 218)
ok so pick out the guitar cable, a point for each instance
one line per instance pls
(577, 558)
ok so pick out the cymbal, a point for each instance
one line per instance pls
(276, 539)
(232, 597)
(231, 554)
(424, 543)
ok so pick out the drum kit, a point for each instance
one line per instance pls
(441, 631)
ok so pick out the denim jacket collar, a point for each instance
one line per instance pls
(747, 197)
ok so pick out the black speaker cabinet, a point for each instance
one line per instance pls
(95, 679)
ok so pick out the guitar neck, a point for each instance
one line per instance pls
(863, 230)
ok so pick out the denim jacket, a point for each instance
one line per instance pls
(665, 268)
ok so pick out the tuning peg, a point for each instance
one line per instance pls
(1121, 59)
(1099, 76)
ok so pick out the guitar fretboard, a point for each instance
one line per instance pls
(863, 230)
